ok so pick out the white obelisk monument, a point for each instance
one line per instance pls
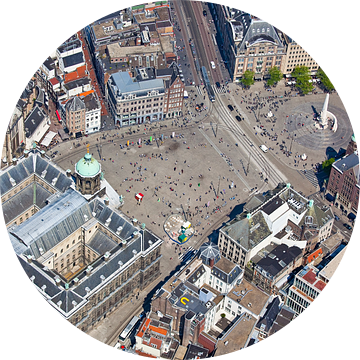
(324, 112)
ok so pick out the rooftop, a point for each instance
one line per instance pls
(124, 84)
(249, 296)
(279, 258)
(309, 275)
(248, 232)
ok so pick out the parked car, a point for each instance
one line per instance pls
(217, 85)
(336, 217)
(230, 107)
(204, 12)
(238, 118)
(348, 226)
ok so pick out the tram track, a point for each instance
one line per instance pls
(238, 133)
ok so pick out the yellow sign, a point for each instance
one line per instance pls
(183, 300)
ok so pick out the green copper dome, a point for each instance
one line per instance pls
(87, 166)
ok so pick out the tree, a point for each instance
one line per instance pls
(325, 80)
(248, 78)
(303, 79)
(275, 76)
(326, 165)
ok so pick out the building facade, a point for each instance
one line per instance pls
(249, 43)
(343, 186)
(297, 56)
(135, 102)
(307, 286)
(75, 114)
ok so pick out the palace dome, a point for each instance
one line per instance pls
(88, 166)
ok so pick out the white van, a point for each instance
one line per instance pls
(264, 148)
(212, 64)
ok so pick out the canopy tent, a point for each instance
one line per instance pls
(48, 138)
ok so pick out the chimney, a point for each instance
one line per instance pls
(107, 256)
(42, 152)
(87, 289)
(106, 201)
(68, 173)
(88, 270)
(14, 161)
(26, 153)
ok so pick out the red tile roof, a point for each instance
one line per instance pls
(310, 276)
(79, 73)
(144, 354)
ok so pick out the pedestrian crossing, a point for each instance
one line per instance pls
(220, 90)
(311, 176)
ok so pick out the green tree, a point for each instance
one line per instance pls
(275, 76)
(303, 79)
(248, 78)
(325, 80)
(326, 165)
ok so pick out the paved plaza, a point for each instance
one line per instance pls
(211, 165)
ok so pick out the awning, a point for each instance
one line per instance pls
(47, 139)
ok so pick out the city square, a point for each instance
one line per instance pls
(200, 188)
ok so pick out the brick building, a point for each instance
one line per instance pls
(343, 186)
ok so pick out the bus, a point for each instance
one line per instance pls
(129, 328)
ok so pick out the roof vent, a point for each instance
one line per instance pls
(107, 255)
(118, 230)
(74, 303)
(41, 250)
(87, 289)
(53, 182)
(43, 174)
(108, 221)
(102, 277)
(59, 303)
(76, 280)
(150, 242)
(86, 217)
(134, 252)
(13, 182)
(32, 278)
(120, 263)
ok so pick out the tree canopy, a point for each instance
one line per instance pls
(303, 79)
(326, 165)
(325, 80)
(248, 78)
(275, 76)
